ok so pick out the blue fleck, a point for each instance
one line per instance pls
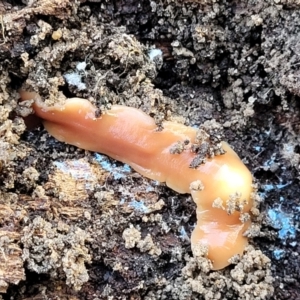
(281, 186)
(104, 162)
(139, 205)
(269, 162)
(77, 169)
(183, 233)
(268, 187)
(126, 168)
(118, 175)
(257, 148)
(262, 195)
(61, 166)
(278, 254)
(149, 189)
(283, 222)
(117, 172)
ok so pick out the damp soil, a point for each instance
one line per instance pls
(79, 225)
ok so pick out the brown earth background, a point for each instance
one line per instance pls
(79, 225)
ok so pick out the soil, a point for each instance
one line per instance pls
(79, 225)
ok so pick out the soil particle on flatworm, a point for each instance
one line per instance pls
(79, 225)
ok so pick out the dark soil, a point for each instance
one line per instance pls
(79, 225)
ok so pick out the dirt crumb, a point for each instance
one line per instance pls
(251, 277)
(147, 245)
(131, 236)
(30, 176)
(64, 247)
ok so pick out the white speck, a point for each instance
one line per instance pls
(153, 53)
(75, 79)
(81, 66)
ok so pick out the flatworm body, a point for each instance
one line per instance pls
(130, 136)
